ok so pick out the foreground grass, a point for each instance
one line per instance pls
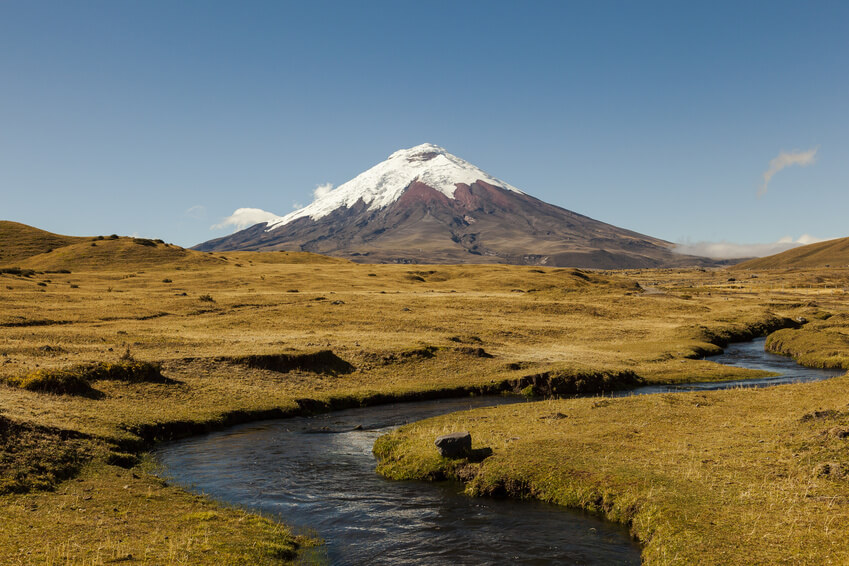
(111, 515)
(730, 477)
(242, 336)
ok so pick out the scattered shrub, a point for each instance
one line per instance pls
(144, 242)
(166, 280)
(113, 237)
(206, 298)
(17, 271)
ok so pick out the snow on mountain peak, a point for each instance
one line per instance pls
(384, 183)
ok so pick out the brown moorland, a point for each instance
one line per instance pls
(239, 336)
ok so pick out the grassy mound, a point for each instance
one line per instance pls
(820, 345)
(569, 383)
(323, 361)
(77, 380)
(21, 241)
(117, 253)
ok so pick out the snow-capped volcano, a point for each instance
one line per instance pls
(425, 205)
(384, 183)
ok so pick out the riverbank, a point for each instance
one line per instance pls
(223, 331)
(752, 476)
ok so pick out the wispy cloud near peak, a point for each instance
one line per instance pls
(786, 159)
(245, 217)
(322, 190)
(730, 250)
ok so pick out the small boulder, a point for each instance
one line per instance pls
(454, 445)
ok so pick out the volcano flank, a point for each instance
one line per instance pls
(425, 205)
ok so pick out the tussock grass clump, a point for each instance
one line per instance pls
(36, 458)
(742, 331)
(323, 361)
(57, 382)
(570, 383)
(129, 371)
(17, 271)
(411, 354)
(77, 380)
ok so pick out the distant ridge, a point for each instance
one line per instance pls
(425, 205)
(20, 241)
(832, 253)
(27, 247)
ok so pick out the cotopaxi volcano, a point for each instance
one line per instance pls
(425, 205)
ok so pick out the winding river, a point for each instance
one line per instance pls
(317, 474)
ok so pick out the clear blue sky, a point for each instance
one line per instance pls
(661, 117)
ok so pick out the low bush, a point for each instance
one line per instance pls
(17, 271)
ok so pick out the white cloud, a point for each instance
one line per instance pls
(321, 190)
(197, 212)
(245, 217)
(785, 159)
(729, 250)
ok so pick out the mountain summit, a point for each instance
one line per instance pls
(425, 205)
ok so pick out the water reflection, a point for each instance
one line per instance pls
(317, 474)
(325, 481)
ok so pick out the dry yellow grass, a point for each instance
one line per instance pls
(21, 241)
(404, 330)
(832, 253)
(729, 477)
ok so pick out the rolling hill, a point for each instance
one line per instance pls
(20, 241)
(832, 253)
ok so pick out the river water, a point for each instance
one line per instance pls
(317, 475)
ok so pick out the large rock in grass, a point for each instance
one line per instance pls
(454, 445)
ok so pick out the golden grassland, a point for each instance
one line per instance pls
(831, 253)
(241, 336)
(21, 241)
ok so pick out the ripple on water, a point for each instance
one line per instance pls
(325, 483)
